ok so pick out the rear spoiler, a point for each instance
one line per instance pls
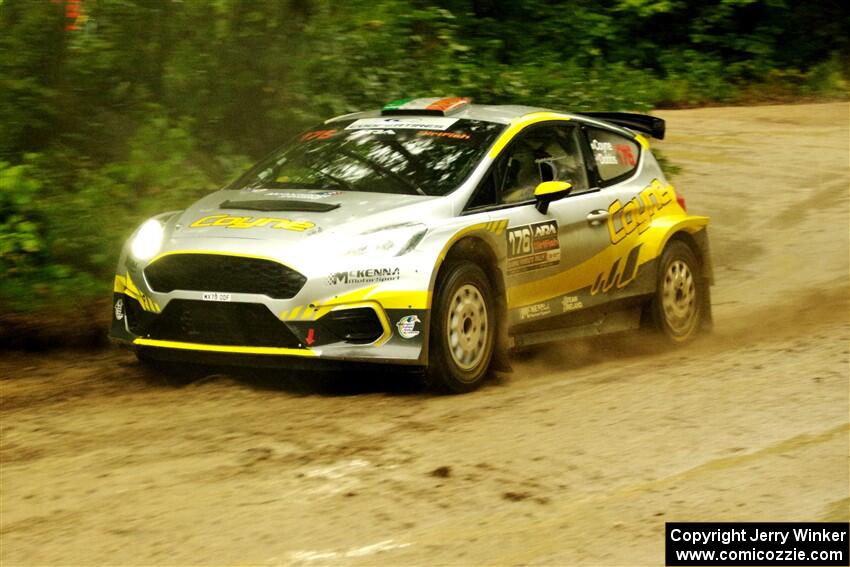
(651, 125)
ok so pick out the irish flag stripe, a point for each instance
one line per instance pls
(396, 104)
(432, 103)
(448, 104)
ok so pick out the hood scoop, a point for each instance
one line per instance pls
(272, 205)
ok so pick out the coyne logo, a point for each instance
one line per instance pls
(369, 275)
(407, 326)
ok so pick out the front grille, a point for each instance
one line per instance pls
(219, 323)
(222, 273)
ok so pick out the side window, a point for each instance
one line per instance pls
(549, 153)
(615, 155)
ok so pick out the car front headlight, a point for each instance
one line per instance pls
(394, 240)
(148, 240)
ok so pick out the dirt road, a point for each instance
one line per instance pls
(578, 457)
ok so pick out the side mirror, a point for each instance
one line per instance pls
(549, 191)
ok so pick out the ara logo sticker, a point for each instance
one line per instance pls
(533, 246)
(407, 326)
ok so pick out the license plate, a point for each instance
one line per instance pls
(215, 296)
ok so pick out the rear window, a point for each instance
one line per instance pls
(616, 156)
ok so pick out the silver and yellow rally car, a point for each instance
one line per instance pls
(434, 233)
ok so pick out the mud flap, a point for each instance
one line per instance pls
(501, 361)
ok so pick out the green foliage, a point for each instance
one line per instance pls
(21, 237)
(148, 105)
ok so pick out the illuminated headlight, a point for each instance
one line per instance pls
(388, 241)
(148, 240)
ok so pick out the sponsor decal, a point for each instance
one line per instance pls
(119, 309)
(302, 195)
(607, 153)
(570, 303)
(369, 275)
(622, 273)
(403, 123)
(228, 221)
(452, 135)
(604, 152)
(407, 326)
(124, 284)
(533, 246)
(625, 155)
(215, 296)
(534, 311)
(318, 135)
(624, 219)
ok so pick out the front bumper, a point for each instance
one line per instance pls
(380, 321)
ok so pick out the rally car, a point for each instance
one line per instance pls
(433, 233)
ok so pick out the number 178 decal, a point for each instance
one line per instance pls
(533, 246)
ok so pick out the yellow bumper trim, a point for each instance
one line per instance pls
(224, 348)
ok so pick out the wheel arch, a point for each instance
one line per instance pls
(698, 242)
(693, 231)
(476, 249)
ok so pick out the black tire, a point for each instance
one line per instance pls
(677, 308)
(465, 368)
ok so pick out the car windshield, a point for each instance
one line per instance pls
(400, 155)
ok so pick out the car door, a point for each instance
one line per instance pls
(543, 250)
(613, 161)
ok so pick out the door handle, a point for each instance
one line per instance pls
(597, 217)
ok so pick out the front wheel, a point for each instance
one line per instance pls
(462, 334)
(677, 308)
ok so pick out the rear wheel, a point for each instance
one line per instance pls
(462, 334)
(677, 308)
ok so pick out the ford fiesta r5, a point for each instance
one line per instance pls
(433, 233)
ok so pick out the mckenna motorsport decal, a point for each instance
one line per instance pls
(534, 311)
(403, 123)
(369, 275)
(533, 246)
(407, 326)
(229, 221)
(636, 214)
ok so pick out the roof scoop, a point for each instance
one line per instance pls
(273, 205)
